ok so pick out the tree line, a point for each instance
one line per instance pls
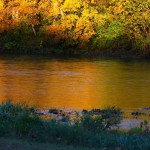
(76, 26)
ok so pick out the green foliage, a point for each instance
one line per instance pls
(108, 118)
(92, 123)
(135, 130)
(17, 117)
(112, 117)
(19, 120)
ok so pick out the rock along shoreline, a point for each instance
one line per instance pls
(127, 123)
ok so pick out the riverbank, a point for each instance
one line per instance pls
(91, 130)
(18, 44)
(68, 53)
(130, 120)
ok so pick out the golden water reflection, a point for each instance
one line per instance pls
(75, 83)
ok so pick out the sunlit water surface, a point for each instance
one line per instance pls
(75, 83)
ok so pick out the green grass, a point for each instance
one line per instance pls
(89, 130)
(17, 144)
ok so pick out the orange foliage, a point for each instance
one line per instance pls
(74, 19)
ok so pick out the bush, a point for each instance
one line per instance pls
(91, 130)
(92, 123)
(106, 119)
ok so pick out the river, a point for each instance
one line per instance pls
(75, 83)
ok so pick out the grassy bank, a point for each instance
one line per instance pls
(21, 144)
(91, 130)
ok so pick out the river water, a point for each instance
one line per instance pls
(75, 83)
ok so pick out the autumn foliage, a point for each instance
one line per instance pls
(101, 25)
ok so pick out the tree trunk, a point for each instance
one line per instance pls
(34, 31)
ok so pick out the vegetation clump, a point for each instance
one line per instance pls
(98, 120)
(89, 130)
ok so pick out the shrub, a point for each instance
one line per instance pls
(90, 130)
(108, 118)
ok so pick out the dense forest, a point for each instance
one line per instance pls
(75, 27)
